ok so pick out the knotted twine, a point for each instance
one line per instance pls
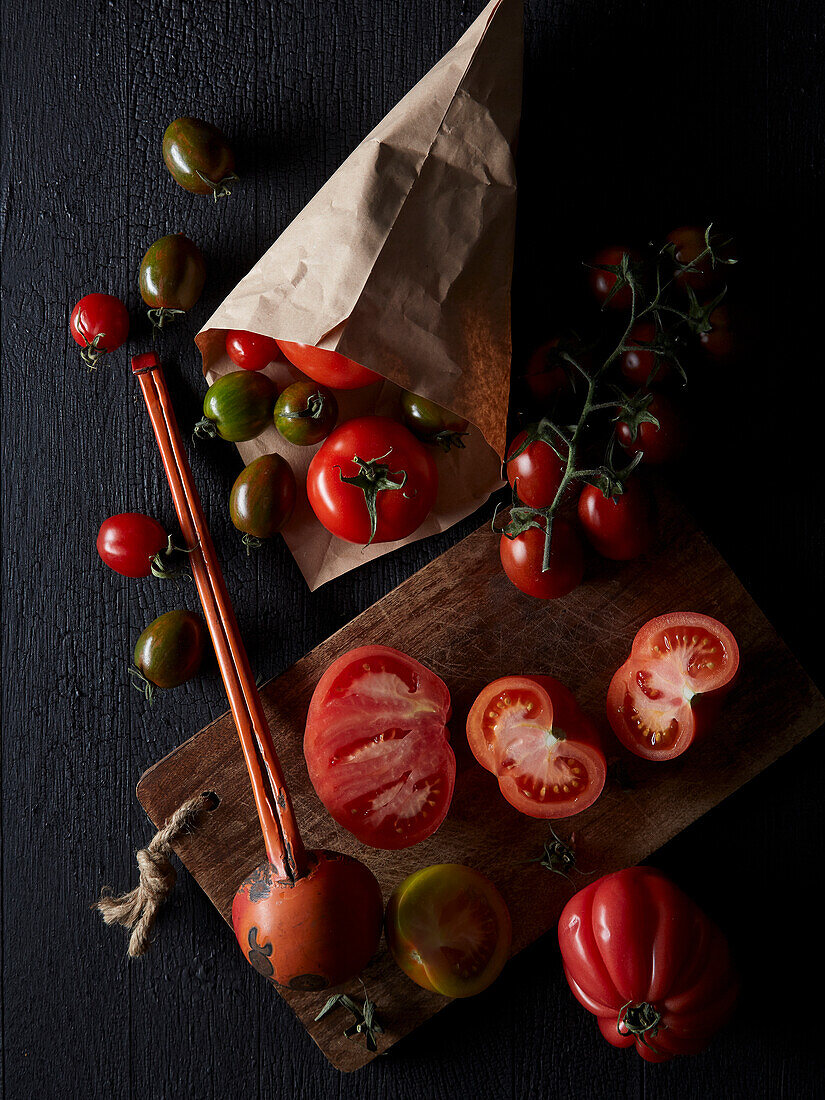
(138, 909)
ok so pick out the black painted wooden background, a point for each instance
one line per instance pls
(637, 116)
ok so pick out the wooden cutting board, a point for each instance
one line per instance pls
(461, 616)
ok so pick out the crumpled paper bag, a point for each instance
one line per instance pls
(403, 262)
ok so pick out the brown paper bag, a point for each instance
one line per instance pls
(402, 262)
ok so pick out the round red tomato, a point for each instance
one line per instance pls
(647, 963)
(251, 350)
(619, 528)
(667, 693)
(547, 374)
(689, 244)
(602, 282)
(546, 754)
(449, 929)
(129, 542)
(330, 368)
(661, 442)
(522, 558)
(638, 365)
(99, 323)
(377, 746)
(536, 473)
(720, 342)
(372, 481)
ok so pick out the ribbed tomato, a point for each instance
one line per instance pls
(646, 961)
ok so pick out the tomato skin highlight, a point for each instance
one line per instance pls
(99, 321)
(536, 473)
(262, 499)
(668, 692)
(449, 929)
(602, 282)
(169, 651)
(250, 350)
(546, 754)
(637, 951)
(172, 273)
(330, 368)
(619, 528)
(129, 541)
(522, 556)
(192, 146)
(377, 746)
(240, 405)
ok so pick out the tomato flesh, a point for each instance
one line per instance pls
(377, 747)
(330, 368)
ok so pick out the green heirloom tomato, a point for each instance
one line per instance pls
(172, 274)
(237, 407)
(169, 651)
(305, 413)
(432, 423)
(262, 499)
(199, 157)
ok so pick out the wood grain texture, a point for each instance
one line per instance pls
(637, 116)
(448, 616)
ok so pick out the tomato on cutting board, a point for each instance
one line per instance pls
(534, 471)
(377, 746)
(449, 929)
(546, 754)
(330, 368)
(646, 961)
(620, 527)
(667, 693)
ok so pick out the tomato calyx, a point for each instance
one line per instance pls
(314, 409)
(629, 273)
(164, 565)
(634, 411)
(140, 682)
(639, 1019)
(162, 315)
(374, 477)
(558, 856)
(366, 1022)
(699, 314)
(712, 254)
(93, 350)
(220, 190)
(447, 439)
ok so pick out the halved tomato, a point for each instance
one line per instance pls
(449, 929)
(667, 693)
(546, 754)
(377, 746)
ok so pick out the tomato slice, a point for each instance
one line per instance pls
(668, 691)
(530, 733)
(449, 929)
(377, 746)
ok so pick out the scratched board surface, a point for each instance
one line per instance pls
(636, 117)
(448, 617)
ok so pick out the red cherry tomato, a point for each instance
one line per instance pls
(720, 342)
(647, 963)
(546, 754)
(377, 746)
(328, 367)
(546, 375)
(657, 444)
(619, 528)
(689, 242)
(602, 282)
(667, 693)
(99, 323)
(128, 542)
(250, 350)
(536, 473)
(637, 366)
(522, 556)
(399, 473)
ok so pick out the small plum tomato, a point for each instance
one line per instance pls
(620, 527)
(536, 473)
(169, 651)
(523, 555)
(251, 350)
(237, 406)
(661, 442)
(547, 375)
(262, 499)
(135, 545)
(199, 157)
(305, 413)
(603, 282)
(99, 323)
(432, 423)
(171, 277)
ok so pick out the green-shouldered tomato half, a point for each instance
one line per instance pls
(237, 407)
(199, 157)
(305, 413)
(169, 651)
(262, 498)
(667, 693)
(530, 732)
(449, 929)
(432, 423)
(171, 277)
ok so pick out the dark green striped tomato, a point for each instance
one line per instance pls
(169, 651)
(432, 423)
(199, 157)
(237, 407)
(305, 413)
(172, 274)
(262, 498)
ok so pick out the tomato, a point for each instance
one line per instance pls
(377, 746)
(646, 961)
(172, 274)
(135, 545)
(305, 413)
(547, 374)
(198, 157)
(169, 651)
(720, 341)
(688, 244)
(250, 350)
(449, 929)
(667, 693)
(99, 323)
(658, 444)
(638, 366)
(522, 557)
(602, 282)
(546, 754)
(619, 528)
(262, 498)
(330, 368)
(372, 481)
(237, 406)
(432, 423)
(536, 473)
